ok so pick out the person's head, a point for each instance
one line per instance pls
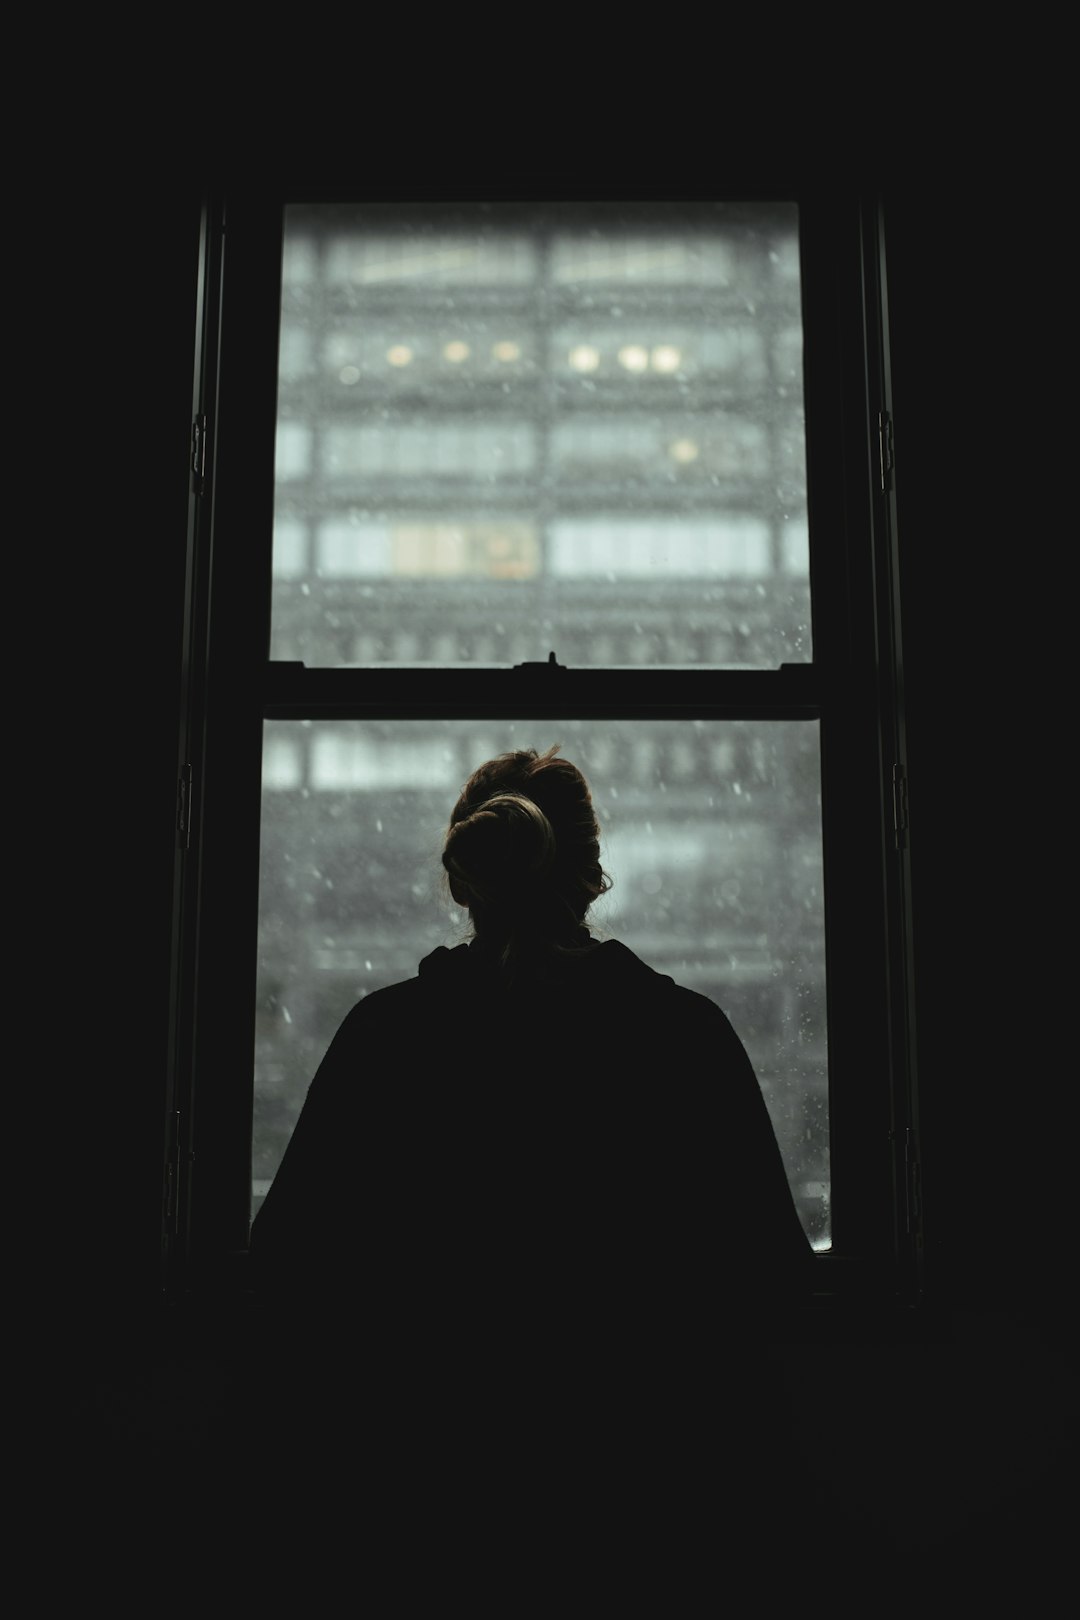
(522, 852)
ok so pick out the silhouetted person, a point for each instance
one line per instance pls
(533, 1199)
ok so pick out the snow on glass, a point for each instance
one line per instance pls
(711, 832)
(501, 435)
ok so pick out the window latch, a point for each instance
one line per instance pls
(198, 452)
(183, 806)
(550, 664)
(885, 449)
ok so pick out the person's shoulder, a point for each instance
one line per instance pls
(390, 995)
(441, 969)
(390, 1002)
(624, 966)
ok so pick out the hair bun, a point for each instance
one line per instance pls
(503, 850)
(523, 854)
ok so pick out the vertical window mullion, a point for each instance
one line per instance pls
(242, 509)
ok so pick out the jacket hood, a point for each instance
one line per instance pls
(598, 965)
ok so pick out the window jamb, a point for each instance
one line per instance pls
(242, 687)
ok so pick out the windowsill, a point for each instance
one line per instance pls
(849, 1300)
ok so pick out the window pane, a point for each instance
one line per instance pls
(502, 435)
(710, 830)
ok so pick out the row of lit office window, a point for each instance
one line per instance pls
(735, 546)
(722, 351)
(717, 446)
(712, 256)
(356, 758)
(330, 639)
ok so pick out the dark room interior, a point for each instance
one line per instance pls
(934, 1436)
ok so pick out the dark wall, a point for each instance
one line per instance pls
(978, 538)
(101, 625)
(981, 515)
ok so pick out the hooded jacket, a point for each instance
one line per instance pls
(588, 1143)
(516, 1269)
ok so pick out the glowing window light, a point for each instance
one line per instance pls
(634, 357)
(349, 375)
(584, 357)
(456, 352)
(507, 351)
(665, 357)
(684, 450)
(399, 355)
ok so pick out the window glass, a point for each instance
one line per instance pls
(710, 830)
(508, 435)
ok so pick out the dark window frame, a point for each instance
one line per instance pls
(853, 688)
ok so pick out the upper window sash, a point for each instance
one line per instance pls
(573, 427)
(254, 328)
